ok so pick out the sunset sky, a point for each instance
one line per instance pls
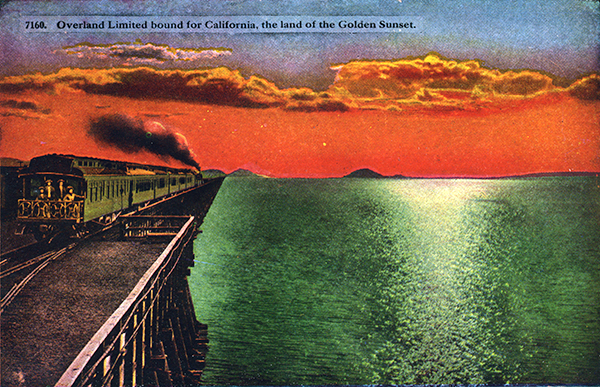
(481, 88)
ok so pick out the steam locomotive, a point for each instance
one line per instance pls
(66, 192)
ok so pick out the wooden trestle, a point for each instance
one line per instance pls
(153, 338)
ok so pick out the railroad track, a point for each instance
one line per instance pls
(17, 261)
(23, 265)
(42, 261)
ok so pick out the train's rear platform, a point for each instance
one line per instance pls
(50, 321)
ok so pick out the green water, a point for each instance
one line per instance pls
(360, 281)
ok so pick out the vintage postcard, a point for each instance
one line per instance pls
(408, 190)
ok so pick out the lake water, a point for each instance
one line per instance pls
(360, 281)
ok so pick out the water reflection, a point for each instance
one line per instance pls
(459, 302)
(412, 281)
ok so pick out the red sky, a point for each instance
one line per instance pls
(550, 133)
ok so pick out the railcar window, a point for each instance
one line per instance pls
(144, 185)
(161, 183)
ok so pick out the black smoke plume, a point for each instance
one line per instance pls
(131, 135)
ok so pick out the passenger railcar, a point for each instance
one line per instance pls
(67, 192)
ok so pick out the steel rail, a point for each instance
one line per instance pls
(50, 256)
(24, 265)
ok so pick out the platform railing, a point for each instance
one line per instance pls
(50, 209)
(129, 348)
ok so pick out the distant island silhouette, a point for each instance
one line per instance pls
(370, 174)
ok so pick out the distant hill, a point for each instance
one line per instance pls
(211, 173)
(242, 173)
(524, 176)
(556, 174)
(367, 173)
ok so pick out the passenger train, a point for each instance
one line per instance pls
(66, 192)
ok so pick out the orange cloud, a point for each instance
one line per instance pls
(22, 108)
(431, 81)
(220, 86)
(587, 88)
